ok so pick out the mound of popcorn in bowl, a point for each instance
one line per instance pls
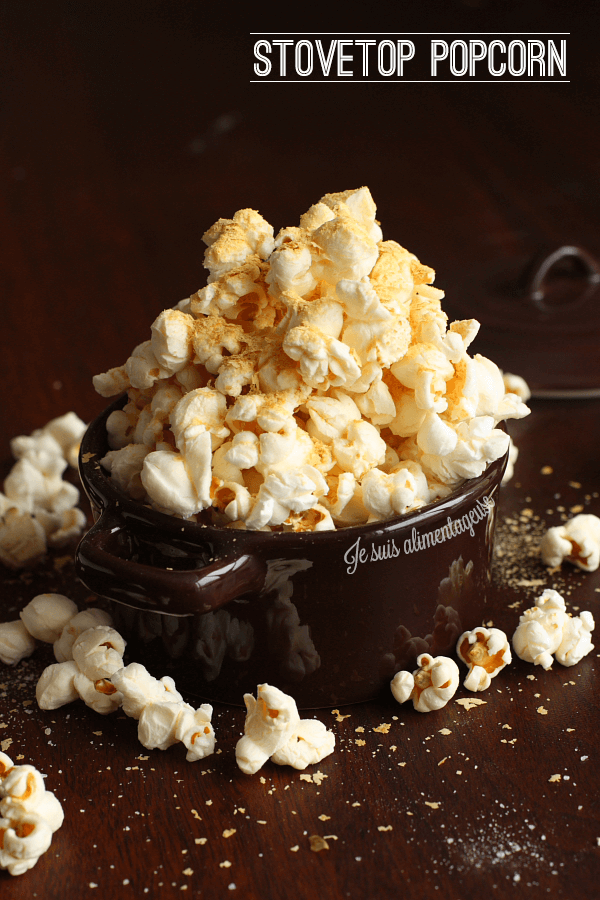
(313, 383)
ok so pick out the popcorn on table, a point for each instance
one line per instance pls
(274, 730)
(486, 651)
(430, 686)
(314, 382)
(29, 815)
(547, 632)
(45, 618)
(164, 718)
(37, 508)
(577, 542)
(97, 653)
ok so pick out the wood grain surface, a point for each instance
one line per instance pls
(127, 130)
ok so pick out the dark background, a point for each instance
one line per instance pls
(128, 129)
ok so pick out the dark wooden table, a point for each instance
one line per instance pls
(126, 132)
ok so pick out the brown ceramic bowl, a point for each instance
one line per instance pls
(327, 617)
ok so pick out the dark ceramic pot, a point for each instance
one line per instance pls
(327, 617)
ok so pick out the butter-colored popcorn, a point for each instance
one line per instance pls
(548, 629)
(98, 652)
(24, 837)
(157, 724)
(577, 542)
(42, 450)
(15, 642)
(29, 814)
(171, 341)
(273, 729)
(515, 384)
(195, 731)
(283, 493)
(311, 742)
(169, 483)
(111, 383)
(486, 651)
(100, 695)
(55, 686)
(125, 466)
(231, 241)
(163, 717)
(29, 488)
(22, 539)
(60, 527)
(46, 615)
(478, 443)
(576, 640)
(139, 689)
(60, 436)
(405, 488)
(24, 784)
(349, 250)
(323, 346)
(271, 720)
(431, 686)
(540, 629)
(360, 449)
(81, 621)
(324, 361)
(37, 507)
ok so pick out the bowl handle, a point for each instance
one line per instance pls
(103, 567)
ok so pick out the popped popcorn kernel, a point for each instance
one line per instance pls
(486, 651)
(320, 349)
(577, 542)
(546, 632)
(273, 729)
(430, 686)
(29, 815)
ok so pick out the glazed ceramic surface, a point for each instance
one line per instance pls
(328, 617)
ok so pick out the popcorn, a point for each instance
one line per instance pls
(46, 615)
(547, 629)
(323, 346)
(15, 642)
(97, 652)
(273, 728)
(29, 815)
(37, 507)
(139, 689)
(402, 490)
(56, 685)
(163, 717)
(311, 742)
(486, 651)
(22, 539)
(515, 384)
(430, 686)
(513, 454)
(577, 542)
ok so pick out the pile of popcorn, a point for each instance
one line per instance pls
(38, 508)
(29, 816)
(313, 383)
